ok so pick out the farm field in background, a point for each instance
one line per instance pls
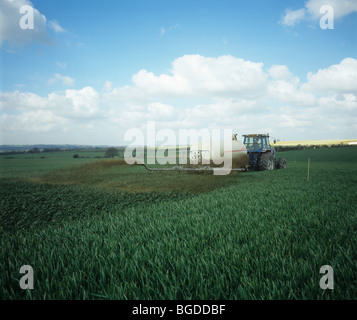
(100, 229)
(344, 142)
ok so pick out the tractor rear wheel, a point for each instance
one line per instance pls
(281, 163)
(266, 162)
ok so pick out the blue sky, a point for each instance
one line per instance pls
(102, 45)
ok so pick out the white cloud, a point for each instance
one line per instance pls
(280, 72)
(84, 102)
(292, 17)
(65, 80)
(287, 118)
(17, 100)
(290, 92)
(340, 8)
(338, 78)
(11, 31)
(312, 8)
(158, 110)
(223, 112)
(205, 76)
(32, 122)
(284, 87)
(199, 92)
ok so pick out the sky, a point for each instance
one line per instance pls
(86, 72)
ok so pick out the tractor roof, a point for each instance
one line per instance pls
(256, 135)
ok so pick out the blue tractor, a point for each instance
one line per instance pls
(261, 155)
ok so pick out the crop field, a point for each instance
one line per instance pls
(101, 229)
(344, 142)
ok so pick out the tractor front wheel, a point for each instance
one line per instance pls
(266, 162)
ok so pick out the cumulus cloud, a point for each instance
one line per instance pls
(341, 8)
(17, 100)
(199, 92)
(338, 81)
(338, 78)
(205, 76)
(84, 102)
(312, 11)
(286, 88)
(280, 72)
(33, 121)
(289, 92)
(160, 111)
(222, 112)
(21, 24)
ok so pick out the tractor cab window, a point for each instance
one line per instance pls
(253, 143)
(266, 144)
(256, 143)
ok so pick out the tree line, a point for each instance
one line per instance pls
(303, 147)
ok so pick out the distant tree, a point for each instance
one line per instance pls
(75, 156)
(111, 153)
(34, 150)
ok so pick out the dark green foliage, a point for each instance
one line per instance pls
(111, 152)
(27, 205)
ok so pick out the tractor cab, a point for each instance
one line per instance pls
(261, 155)
(256, 142)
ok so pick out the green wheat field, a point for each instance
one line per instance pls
(100, 229)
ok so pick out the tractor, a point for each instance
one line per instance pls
(261, 155)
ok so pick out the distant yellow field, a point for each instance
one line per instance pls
(315, 142)
(345, 142)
